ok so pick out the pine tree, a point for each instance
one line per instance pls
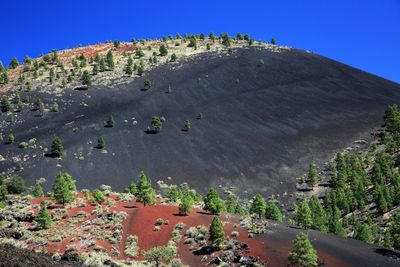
(303, 216)
(258, 206)
(139, 53)
(86, 79)
(157, 123)
(163, 50)
(312, 175)
(128, 70)
(43, 219)
(3, 192)
(213, 203)
(145, 193)
(110, 122)
(147, 84)
(101, 143)
(174, 194)
(130, 61)
(319, 216)
(14, 63)
(57, 148)
(174, 57)
(1, 66)
(102, 65)
(4, 77)
(272, 212)
(140, 69)
(335, 226)
(97, 58)
(186, 205)
(380, 198)
(394, 230)
(192, 42)
(273, 41)
(216, 231)
(187, 125)
(63, 188)
(98, 195)
(38, 190)
(226, 40)
(110, 60)
(211, 36)
(16, 185)
(95, 70)
(5, 104)
(10, 138)
(363, 232)
(54, 56)
(303, 253)
(230, 203)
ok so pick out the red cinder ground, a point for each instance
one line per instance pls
(271, 248)
(140, 221)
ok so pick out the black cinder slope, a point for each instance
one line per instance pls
(262, 123)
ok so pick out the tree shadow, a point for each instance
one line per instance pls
(81, 88)
(51, 155)
(149, 131)
(304, 189)
(388, 253)
(184, 130)
(180, 214)
(325, 184)
(131, 207)
(55, 206)
(296, 227)
(108, 126)
(205, 250)
(144, 89)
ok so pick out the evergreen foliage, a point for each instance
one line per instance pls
(63, 188)
(144, 191)
(217, 235)
(43, 219)
(303, 253)
(57, 147)
(273, 212)
(213, 203)
(258, 206)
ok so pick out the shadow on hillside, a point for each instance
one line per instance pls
(180, 214)
(206, 250)
(388, 253)
(81, 88)
(149, 131)
(144, 89)
(304, 189)
(131, 207)
(50, 155)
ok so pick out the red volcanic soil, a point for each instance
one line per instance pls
(272, 248)
(66, 56)
(140, 221)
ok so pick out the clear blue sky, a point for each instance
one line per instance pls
(361, 33)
